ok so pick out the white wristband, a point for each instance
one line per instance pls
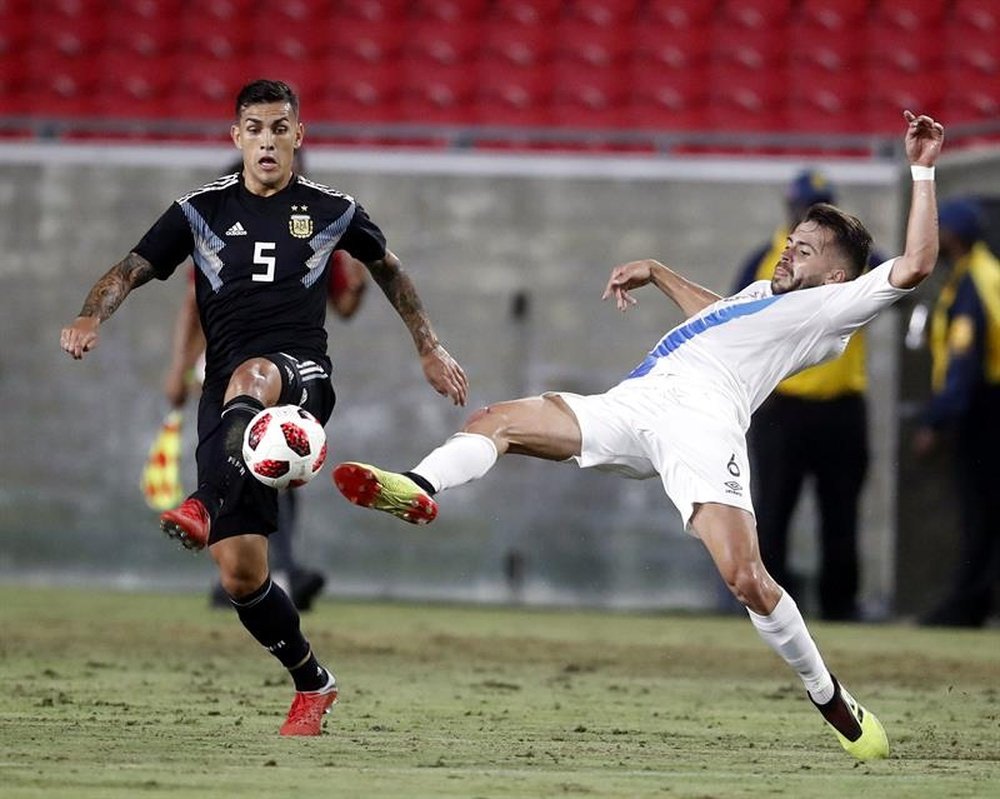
(922, 172)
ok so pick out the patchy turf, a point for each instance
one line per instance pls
(134, 695)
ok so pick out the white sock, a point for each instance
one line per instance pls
(462, 458)
(785, 632)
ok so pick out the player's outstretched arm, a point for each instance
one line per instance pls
(103, 300)
(923, 141)
(689, 296)
(441, 370)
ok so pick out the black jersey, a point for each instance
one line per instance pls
(261, 263)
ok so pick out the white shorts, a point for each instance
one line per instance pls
(657, 425)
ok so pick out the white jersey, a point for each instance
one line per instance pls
(741, 347)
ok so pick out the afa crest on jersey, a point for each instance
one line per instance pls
(300, 226)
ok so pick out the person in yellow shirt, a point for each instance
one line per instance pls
(814, 425)
(965, 398)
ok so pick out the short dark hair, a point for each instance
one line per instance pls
(266, 91)
(849, 234)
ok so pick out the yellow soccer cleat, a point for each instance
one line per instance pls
(390, 492)
(858, 730)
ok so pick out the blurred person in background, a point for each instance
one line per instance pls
(261, 240)
(965, 401)
(683, 412)
(346, 282)
(814, 425)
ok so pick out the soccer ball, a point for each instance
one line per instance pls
(284, 446)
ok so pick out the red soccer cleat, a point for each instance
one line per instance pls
(305, 716)
(189, 523)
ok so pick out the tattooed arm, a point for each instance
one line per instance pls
(441, 370)
(102, 301)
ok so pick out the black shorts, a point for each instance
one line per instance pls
(304, 382)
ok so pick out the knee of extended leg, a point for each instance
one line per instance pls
(489, 416)
(239, 584)
(748, 583)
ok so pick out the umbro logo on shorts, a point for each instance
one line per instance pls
(237, 230)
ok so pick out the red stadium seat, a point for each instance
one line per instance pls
(206, 87)
(514, 96)
(664, 48)
(833, 15)
(516, 44)
(449, 10)
(527, 12)
(891, 91)
(755, 14)
(832, 50)
(909, 15)
(167, 11)
(370, 41)
(982, 15)
(15, 26)
(745, 100)
(752, 49)
(590, 97)
(225, 11)
(135, 87)
(357, 92)
(973, 49)
(371, 10)
(972, 97)
(581, 42)
(674, 100)
(680, 13)
(64, 86)
(439, 95)
(230, 39)
(917, 50)
(294, 13)
(146, 36)
(820, 101)
(443, 42)
(602, 13)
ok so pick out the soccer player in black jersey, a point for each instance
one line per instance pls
(261, 240)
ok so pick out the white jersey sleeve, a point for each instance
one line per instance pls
(860, 300)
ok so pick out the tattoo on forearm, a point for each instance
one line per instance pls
(402, 294)
(109, 292)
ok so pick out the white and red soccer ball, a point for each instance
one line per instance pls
(284, 446)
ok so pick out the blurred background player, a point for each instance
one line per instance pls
(814, 425)
(965, 376)
(346, 286)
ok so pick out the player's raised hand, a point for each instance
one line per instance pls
(80, 336)
(445, 375)
(924, 138)
(625, 277)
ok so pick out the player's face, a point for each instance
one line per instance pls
(268, 134)
(810, 258)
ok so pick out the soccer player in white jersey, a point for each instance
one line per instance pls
(682, 414)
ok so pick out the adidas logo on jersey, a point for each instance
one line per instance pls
(236, 230)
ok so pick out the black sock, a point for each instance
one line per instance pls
(270, 617)
(421, 481)
(310, 676)
(225, 480)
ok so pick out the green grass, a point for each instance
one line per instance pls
(136, 695)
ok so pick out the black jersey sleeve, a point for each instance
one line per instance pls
(167, 243)
(363, 238)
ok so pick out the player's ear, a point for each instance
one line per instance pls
(836, 276)
(300, 132)
(234, 132)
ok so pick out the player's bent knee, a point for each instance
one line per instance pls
(256, 377)
(750, 585)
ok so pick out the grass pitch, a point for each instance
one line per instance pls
(136, 695)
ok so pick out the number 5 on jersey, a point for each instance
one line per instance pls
(267, 261)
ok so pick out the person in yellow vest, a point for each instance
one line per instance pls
(814, 425)
(965, 396)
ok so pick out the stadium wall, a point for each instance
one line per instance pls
(510, 254)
